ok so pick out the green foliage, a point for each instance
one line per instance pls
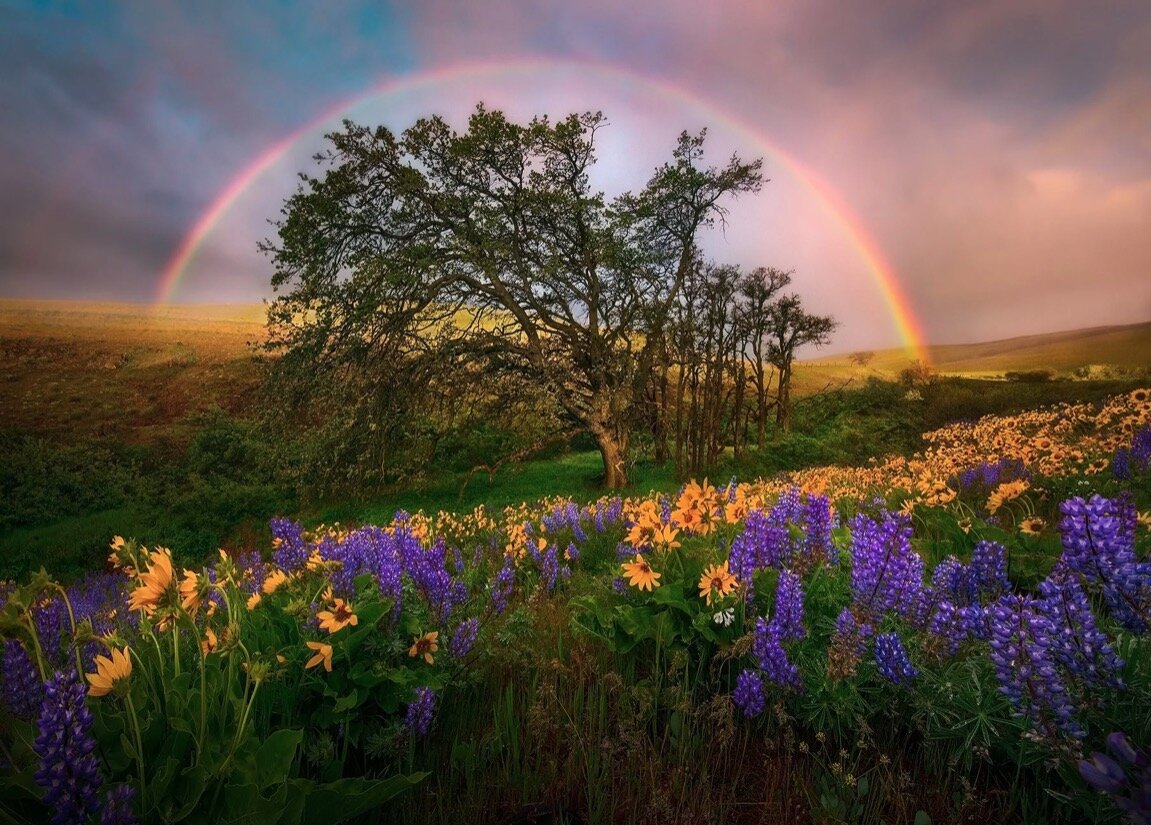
(42, 482)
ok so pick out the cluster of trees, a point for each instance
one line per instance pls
(435, 279)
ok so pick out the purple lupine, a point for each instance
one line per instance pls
(619, 586)
(788, 617)
(464, 637)
(21, 688)
(1125, 781)
(952, 581)
(68, 770)
(886, 573)
(772, 659)
(891, 659)
(817, 527)
(1025, 665)
(1121, 464)
(50, 618)
(1141, 447)
(789, 513)
(761, 545)
(975, 621)
(748, 695)
(291, 552)
(1078, 644)
(572, 553)
(989, 568)
(118, 806)
(422, 709)
(1099, 544)
(257, 571)
(388, 568)
(502, 584)
(427, 569)
(947, 624)
(548, 561)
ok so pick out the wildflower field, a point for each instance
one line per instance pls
(958, 636)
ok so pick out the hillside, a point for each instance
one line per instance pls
(135, 372)
(120, 370)
(1119, 349)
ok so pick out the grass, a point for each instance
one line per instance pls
(575, 475)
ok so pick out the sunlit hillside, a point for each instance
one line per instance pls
(123, 370)
(1096, 352)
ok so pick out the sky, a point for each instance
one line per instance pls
(947, 172)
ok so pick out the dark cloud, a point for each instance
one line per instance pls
(997, 153)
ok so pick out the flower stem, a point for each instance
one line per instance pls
(72, 621)
(139, 749)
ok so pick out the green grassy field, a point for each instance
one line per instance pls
(124, 418)
(584, 697)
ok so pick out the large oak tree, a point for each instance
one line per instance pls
(488, 251)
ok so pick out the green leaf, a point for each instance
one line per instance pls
(922, 818)
(348, 702)
(275, 756)
(345, 798)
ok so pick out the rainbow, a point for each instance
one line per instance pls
(903, 317)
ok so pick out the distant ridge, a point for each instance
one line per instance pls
(1124, 347)
(1127, 347)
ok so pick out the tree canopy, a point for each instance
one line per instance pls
(486, 256)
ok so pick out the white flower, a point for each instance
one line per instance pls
(725, 617)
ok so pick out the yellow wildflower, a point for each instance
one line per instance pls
(274, 580)
(323, 654)
(425, 646)
(340, 616)
(640, 574)
(109, 671)
(716, 578)
(154, 582)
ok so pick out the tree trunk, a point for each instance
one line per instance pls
(613, 449)
(783, 413)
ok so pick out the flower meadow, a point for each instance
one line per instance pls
(958, 636)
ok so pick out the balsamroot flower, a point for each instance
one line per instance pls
(68, 771)
(109, 671)
(273, 581)
(340, 616)
(190, 591)
(716, 582)
(1032, 526)
(640, 574)
(425, 646)
(211, 642)
(323, 654)
(154, 582)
